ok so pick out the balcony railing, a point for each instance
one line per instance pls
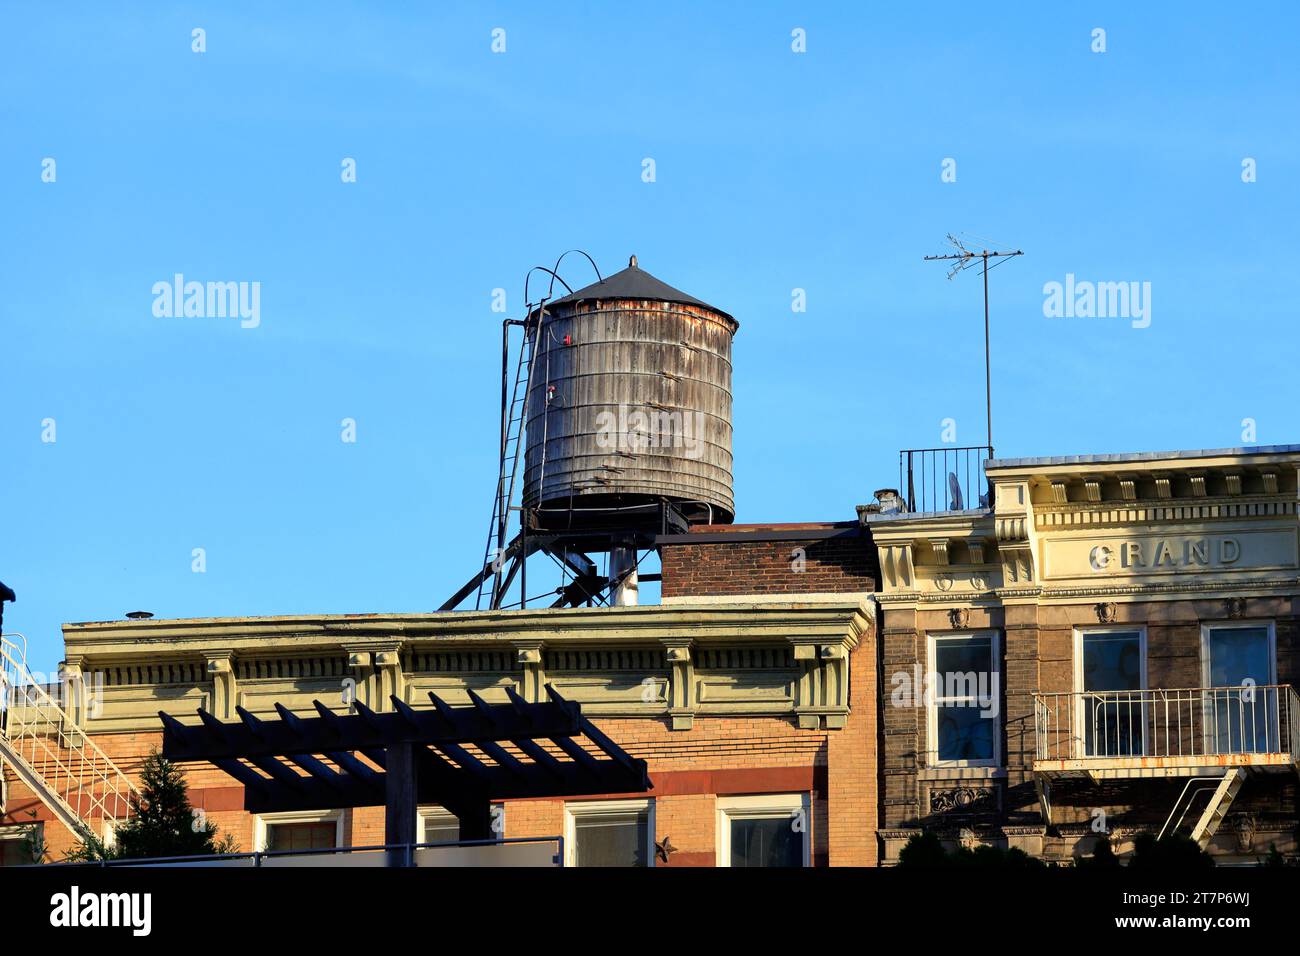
(944, 479)
(1219, 726)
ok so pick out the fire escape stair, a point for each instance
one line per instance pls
(1217, 808)
(53, 756)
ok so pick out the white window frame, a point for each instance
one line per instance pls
(764, 806)
(1079, 743)
(262, 820)
(572, 810)
(933, 699)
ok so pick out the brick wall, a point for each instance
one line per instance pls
(689, 769)
(1038, 655)
(753, 564)
(733, 756)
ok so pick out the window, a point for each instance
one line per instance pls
(1112, 676)
(1240, 666)
(16, 844)
(609, 833)
(964, 700)
(436, 825)
(295, 832)
(767, 830)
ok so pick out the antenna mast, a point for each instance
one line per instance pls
(962, 259)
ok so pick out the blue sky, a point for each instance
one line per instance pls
(774, 170)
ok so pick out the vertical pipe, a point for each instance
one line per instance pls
(502, 514)
(622, 573)
(988, 379)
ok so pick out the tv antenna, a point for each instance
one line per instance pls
(962, 259)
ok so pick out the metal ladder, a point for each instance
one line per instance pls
(1222, 789)
(1220, 802)
(54, 757)
(513, 413)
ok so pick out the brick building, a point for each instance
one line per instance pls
(1132, 623)
(1105, 645)
(755, 711)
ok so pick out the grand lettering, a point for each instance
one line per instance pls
(1162, 553)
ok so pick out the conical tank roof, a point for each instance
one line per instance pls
(633, 283)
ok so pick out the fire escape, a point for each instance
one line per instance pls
(52, 755)
(1213, 737)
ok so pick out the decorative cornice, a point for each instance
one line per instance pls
(1113, 513)
(111, 642)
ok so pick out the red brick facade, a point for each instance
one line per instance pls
(833, 558)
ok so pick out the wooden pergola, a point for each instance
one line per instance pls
(461, 758)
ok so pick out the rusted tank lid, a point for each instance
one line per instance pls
(633, 283)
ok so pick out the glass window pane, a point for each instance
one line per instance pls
(1114, 723)
(301, 836)
(13, 852)
(1239, 653)
(1112, 660)
(772, 841)
(962, 655)
(604, 839)
(962, 734)
(441, 832)
(1245, 716)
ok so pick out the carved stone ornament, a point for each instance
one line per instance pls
(1244, 829)
(1106, 612)
(963, 799)
(1235, 607)
(958, 617)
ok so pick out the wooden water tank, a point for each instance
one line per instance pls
(629, 405)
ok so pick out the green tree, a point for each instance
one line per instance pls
(162, 822)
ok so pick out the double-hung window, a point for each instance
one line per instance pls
(609, 833)
(965, 700)
(768, 830)
(288, 832)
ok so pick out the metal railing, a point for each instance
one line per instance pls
(944, 479)
(53, 756)
(543, 851)
(1168, 723)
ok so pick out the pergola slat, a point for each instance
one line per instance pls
(423, 757)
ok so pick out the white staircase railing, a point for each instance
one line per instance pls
(52, 755)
